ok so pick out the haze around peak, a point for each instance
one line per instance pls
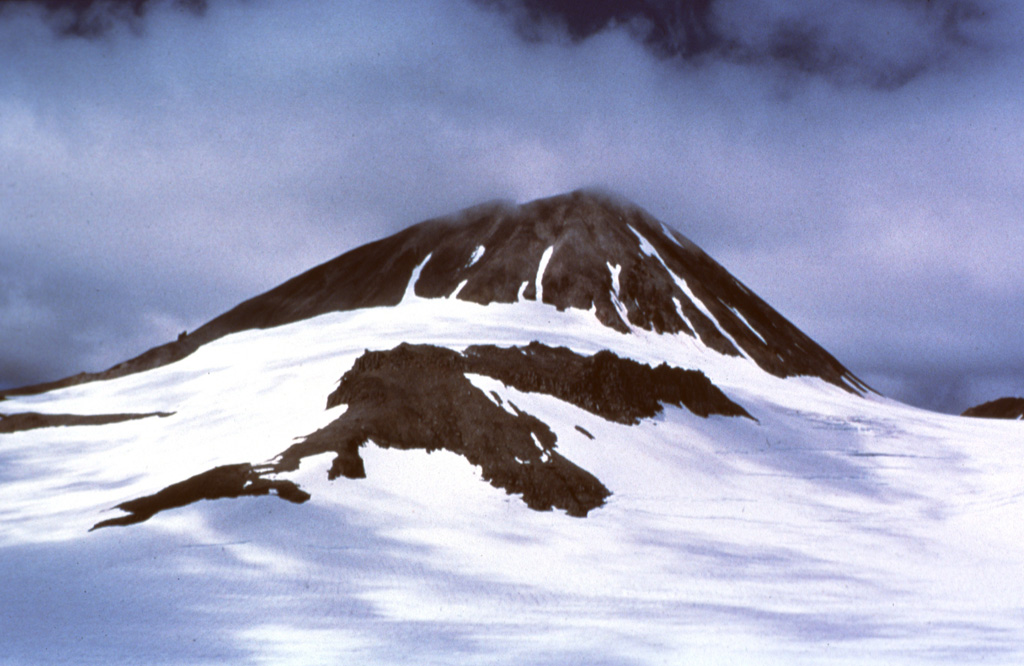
(859, 170)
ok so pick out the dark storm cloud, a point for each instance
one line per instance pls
(681, 28)
(91, 18)
(883, 43)
(157, 174)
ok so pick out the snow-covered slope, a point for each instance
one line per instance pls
(834, 526)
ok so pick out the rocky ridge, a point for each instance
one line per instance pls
(1002, 408)
(419, 397)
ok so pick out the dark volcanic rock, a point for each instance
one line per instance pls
(614, 388)
(590, 237)
(31, 420)
(418, 397)
(1003, 408)
(219, 482)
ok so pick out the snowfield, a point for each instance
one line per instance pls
(835, 529)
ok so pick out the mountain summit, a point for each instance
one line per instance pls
(604, 259)
(585, 250)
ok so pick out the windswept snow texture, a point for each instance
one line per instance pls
(558, 251)
(418, 397)
(834, 529)
(529, 348)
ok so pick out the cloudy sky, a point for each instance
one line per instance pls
(861, 168)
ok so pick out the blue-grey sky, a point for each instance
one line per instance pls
(859, 167)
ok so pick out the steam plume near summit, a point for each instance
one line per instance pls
(859, 169)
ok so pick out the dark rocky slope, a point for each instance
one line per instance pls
(418, 397)
(590, 235)
(1003, 408)
(31, 420)
(613, 388)
(242, 480)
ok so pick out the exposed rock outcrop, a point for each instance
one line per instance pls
(1003, 408)
(418, 397)
(614, 388)
(31, 420)
(217, 483)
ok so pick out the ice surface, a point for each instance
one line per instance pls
(705, 311)
(835, 529)
(544, 259)
(410, 290)
(645, 245)
(748, 324)
(459, 288)
(649, 250)
(617, 303)
(614, 270)
(478, 254)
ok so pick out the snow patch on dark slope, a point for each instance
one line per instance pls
(1002, 408)
(418, 397)
(585, 250)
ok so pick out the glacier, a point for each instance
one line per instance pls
(837, 528)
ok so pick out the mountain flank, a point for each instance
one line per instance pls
(585, 250)
(418, 397)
